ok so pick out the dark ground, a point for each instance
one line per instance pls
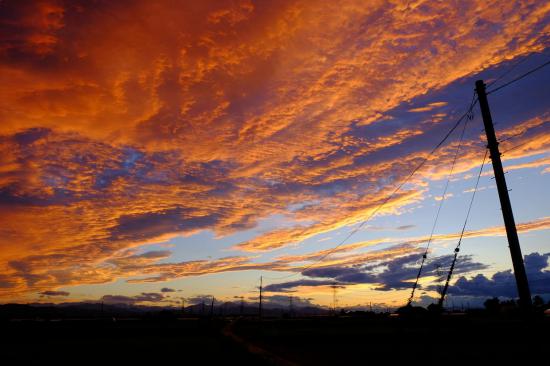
(453, 340)
(448, 341)
(124, 342)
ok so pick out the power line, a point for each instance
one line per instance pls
(519, 77)
(518, 135)
(425, 255)
(512, 136)
(334, 298)
(522, 60)
(515, 147)
(457, 248)
(468, 114)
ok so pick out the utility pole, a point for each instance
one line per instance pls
(290, 308)
(242, 305)
(260, 309)
(334, 298)
(183, 306)
(212, 307)
(509, 223)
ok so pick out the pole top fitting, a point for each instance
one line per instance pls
(480, 83)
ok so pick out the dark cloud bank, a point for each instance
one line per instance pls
(396, 274)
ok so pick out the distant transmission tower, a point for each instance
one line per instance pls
(260, 307)
(290, 307)
(242, 305)
(334, 297)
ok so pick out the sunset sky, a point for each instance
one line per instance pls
(154, 150)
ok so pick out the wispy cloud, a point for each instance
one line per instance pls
(117, 134)
(428, 107)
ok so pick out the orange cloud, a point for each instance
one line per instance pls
(127, 124)
(429, 107)
(405, 245)
(38, 273)
(346, 214)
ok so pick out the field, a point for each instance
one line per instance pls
(301, 341)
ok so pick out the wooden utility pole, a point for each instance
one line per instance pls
(511, 232)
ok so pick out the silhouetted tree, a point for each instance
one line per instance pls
(509, 306)
(539, 305)
(434, 308)
(492, 305)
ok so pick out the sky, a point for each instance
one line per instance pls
(153, 151)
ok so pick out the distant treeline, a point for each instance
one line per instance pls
(86, 310)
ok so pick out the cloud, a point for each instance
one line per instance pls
(199, 299)
(349, 214)
(288, 286)
(503, 283)
(389, 274)
(405, 227)
(439, 198)
(141, 298)
(405, 245)
(428, 107)
(538, 163)
(34, 32)
(284, 301)
(54, 293)
(166, 289)
(117, 134)
(138, 260)
(36, 271)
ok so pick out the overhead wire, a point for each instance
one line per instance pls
(511, 137)
(509, 83)
(418, 167)
(427, 248)
(457, 248)
(388, 198)
(515, 147)
(519, 77)
(503, 75)
(519, 135)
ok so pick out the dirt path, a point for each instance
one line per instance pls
(269, 357)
